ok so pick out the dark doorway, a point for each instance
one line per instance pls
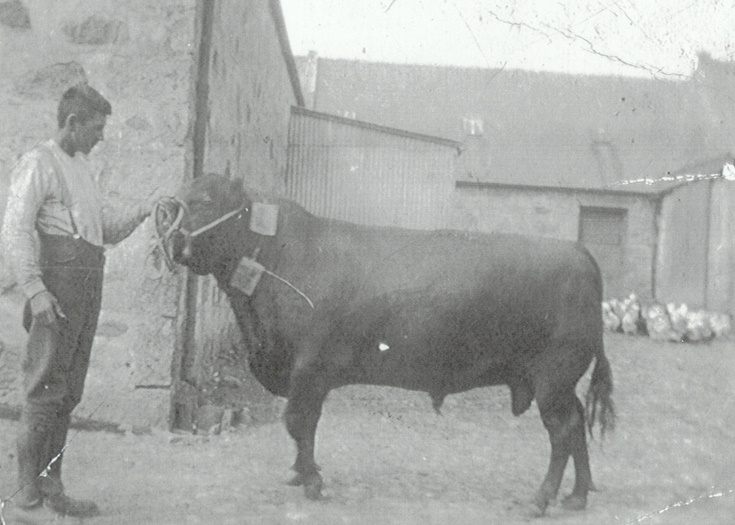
(603, 231)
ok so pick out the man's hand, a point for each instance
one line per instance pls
(45, 308)
(148, 204)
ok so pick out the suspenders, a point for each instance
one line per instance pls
(66, 201)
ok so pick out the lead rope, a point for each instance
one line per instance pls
(254, 258)
(284, 281)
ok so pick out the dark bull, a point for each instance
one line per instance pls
(324, 303)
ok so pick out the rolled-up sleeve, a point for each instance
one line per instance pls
(120, 218)
(27, 194)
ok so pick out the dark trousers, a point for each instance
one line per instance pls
(57, 358)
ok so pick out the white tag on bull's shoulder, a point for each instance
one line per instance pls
(264, 218)
(247, 276)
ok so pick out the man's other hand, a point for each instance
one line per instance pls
(45, 308)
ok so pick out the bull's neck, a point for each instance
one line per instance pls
(242, 242)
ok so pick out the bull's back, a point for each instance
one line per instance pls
(507, 266)
(376, 260)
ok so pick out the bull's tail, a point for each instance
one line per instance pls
(598, 403)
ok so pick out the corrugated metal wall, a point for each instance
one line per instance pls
(368, 174)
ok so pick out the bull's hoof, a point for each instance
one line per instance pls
(574, 502)
(312, 484)
(313, 487)
(541, 502)
(296, 481)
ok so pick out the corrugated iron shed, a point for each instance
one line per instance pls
(361, 172)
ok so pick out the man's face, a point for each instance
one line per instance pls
(87, 134)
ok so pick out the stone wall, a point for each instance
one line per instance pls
(138, 54)
(555, 214)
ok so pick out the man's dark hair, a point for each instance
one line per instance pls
(82, 101)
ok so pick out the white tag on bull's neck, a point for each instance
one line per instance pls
(247, 276)
(264, 218)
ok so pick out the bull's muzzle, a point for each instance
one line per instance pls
(181, 247)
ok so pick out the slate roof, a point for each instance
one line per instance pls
(539, 128)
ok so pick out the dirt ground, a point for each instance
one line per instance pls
(387, 458)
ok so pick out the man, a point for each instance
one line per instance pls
(54, 230)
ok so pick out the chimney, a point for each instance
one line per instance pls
(308, 75)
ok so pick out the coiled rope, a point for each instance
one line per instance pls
(162, 211)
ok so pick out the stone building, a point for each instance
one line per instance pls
(195, 86)
(557, 155)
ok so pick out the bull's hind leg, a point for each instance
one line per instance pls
(564, 420)
(302, 415)
(577, 500)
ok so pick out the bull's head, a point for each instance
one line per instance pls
(188, 225)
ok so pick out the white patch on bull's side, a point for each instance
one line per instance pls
(264, 218)
(383, 347)
(247, 276)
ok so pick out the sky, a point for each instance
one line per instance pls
(648, 38)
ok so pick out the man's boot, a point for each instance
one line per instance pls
(50, 485)
(31, 448)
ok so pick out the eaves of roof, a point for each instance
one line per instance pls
(650, 188)
(377, 127)
(610, 190)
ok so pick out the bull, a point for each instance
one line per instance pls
(323, 303)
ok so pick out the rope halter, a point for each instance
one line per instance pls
(163, 211)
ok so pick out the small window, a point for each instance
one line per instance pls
(473, 126)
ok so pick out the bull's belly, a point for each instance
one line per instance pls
(433, 351)
(432, 373)
(441, 343)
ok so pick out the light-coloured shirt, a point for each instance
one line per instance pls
(54, 193)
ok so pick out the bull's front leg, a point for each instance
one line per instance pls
(305, 399)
